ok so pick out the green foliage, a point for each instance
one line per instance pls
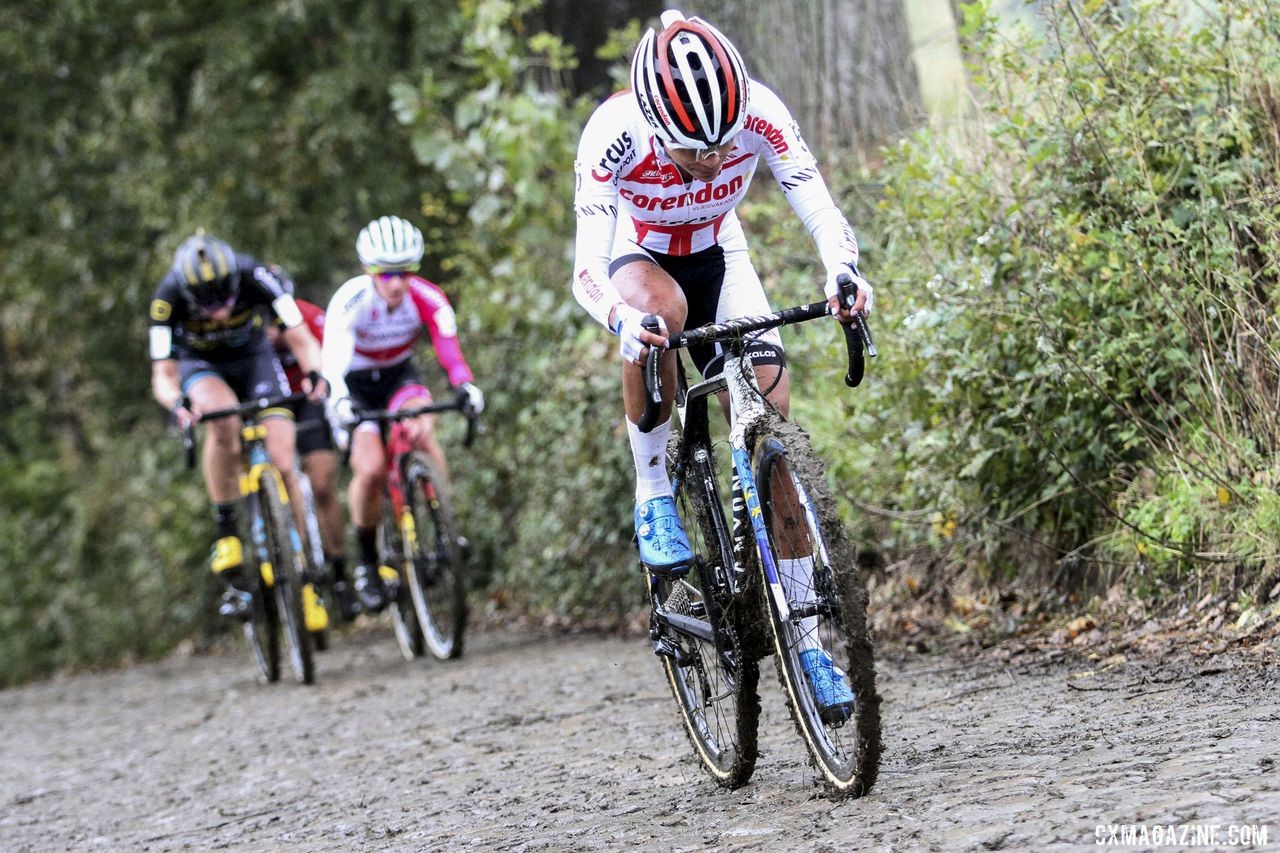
(1081, 289)
(126, 126)
(546, 497)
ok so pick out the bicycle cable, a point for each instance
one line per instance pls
(750, 338)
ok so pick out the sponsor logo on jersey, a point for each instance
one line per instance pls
(708, 193)
(590, 287)
(613, 158)
(160, 310)
(768, 132)
(797, 178)
(212, 326)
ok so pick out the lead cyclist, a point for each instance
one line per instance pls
(660, 170)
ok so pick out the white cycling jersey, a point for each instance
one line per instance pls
(361, 333)
(630, 194)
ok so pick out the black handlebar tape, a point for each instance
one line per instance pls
(189, 446)
(471, 432)
(652, 380)
(847, 293)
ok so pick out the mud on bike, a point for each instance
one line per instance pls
(708, 619)
(421, 549)
(277, 571)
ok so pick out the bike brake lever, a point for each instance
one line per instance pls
(652, 380)
(847, 293)
(189, 446)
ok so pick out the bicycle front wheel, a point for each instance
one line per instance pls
(262, 628)
(288, 569)
(314, 549)
(434, 563)
(696, 622)
(403, 616)
(817, 602)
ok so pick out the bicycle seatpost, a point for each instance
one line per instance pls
(652, 380)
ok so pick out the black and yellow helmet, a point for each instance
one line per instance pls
(207, 268)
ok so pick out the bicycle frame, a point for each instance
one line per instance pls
(688, 627)
(746, 408)
(257, 465)
(397, 446)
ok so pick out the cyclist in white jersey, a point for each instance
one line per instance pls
(660, 169)
(371, 326)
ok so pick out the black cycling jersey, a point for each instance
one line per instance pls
(194, 335)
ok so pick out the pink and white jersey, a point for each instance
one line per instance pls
(630, 194)
(361, 333)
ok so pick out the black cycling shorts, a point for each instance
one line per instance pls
(373, 389)
(313, 427)
(701, 277)
(252, 376)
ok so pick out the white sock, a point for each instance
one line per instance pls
(649, 451)
(797, 579)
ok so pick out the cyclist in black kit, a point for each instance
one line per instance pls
(208, 352)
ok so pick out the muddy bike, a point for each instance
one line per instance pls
(421, 550)
(706, 619)
(284, 601)
(312, 541)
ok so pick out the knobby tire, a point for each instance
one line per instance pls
(313, 545)
(262, 629)
(434, 564)
(716, 688)
(846, 755)
(403, 616)
(289, 563)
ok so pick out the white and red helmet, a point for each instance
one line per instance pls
(690, 83)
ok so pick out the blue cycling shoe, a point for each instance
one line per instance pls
(835, 699)
(664, 545)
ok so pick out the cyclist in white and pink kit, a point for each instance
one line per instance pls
(371, 326)
(659, 171)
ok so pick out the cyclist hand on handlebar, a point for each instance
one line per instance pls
(315, 386)
(184, 413)
(865, 297)
(471, 398)
(634, 338)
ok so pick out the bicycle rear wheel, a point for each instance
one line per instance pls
(695, 628)
(288, 569)
(262, 628)
(825, 612)
(403, 616)
(434, 564)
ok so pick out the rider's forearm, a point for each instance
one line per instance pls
(597, 211)
(335, 359)
(304, 347)
(832, 234)
(165, 386)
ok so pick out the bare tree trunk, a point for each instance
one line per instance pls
(844, 67)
